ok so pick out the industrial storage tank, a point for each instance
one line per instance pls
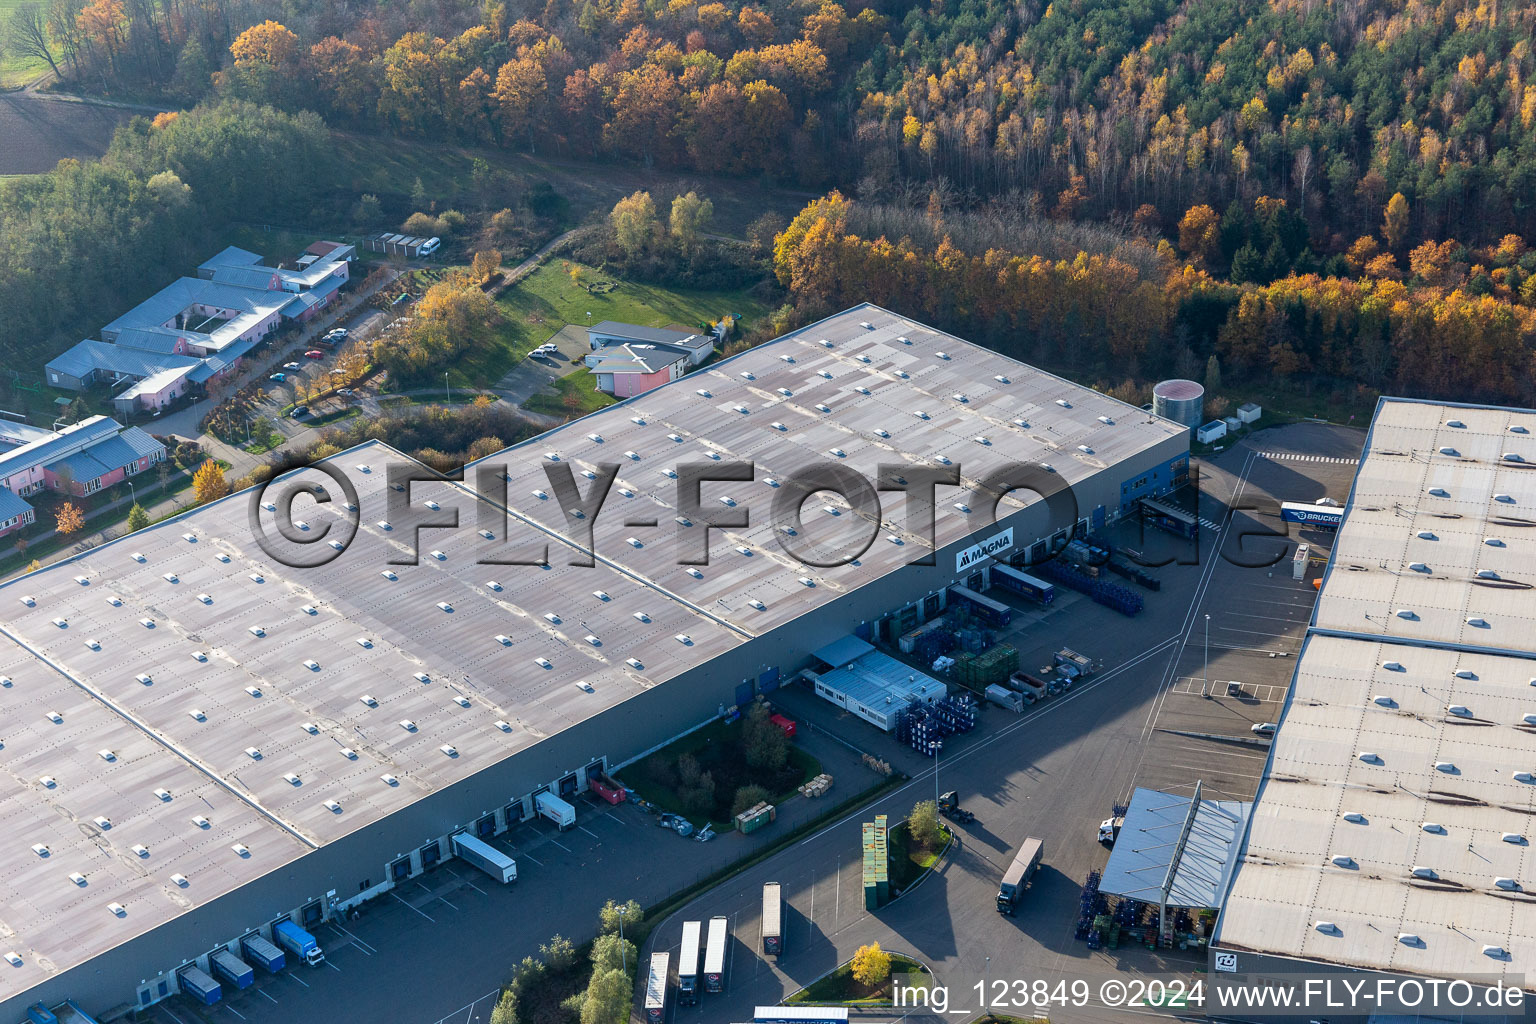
(1182, 401)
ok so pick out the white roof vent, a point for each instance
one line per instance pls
(541, 495)
(1449, 451)
(147, 622)
(882, 433)
(552, 617)
(253, 753)
(902, 374)
(257, 577)
(92, 643)
(61, 622)
(1487, 574)
(144, 678)
(311, 728)
(205, 598)
(748, 375)
(241, 850)
(1355, 817)
(333, 806)
(755, 603)
(14, 959)
(493, 585)
(385, 525)
(1328, 927)
(637, 419)
(1506, 883)
(837, 453)
(1385, 701)
(201, 822)
(85, 581)
(40, 849)
(1433, 828)
(959, 397)
(543, 663)
(1529, 719)
(597, 438)
(190, 538)
(118, 910)
(107, 755)
(292, 779)
(180, 880)
(920, 414)
(684, 639)
(741, 409)
(388, 574)
(1460, 710)
(820, 407)
(140, 849)
(312, 664)
(584, 686)
(421, 677)
(826, 374)
(389, 780)
(633, 542)
(963, 507)
(787, 358)
(503, 726)
(806, 581)
(198, 714)
(461, 700)
(256, 631)
(434, 506)
(778, 426)
(102, 823)
(55, 717)
(1085, 449)
(1524, 777)
(703, 393)
(1419, 871)
(942, 355)
(696, 574)
(593, 640)
(164, 794)
(444, 606)
(222, 557)
(449, 749)
(904, 340)
(114, 601)
(632, 456)
(601, 595)
(438, 555)
(503, 639)
(407, 725)
(370, 700)
(860, 388)
(364, 642)
(1369, 758)
(670, 474)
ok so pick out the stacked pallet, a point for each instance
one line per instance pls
(817, 786)
(877, 864)
(754, 818)
(875, 764)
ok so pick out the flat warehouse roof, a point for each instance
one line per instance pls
(290, 694)
(1393, 825)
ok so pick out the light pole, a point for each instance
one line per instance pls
(986, 978)
(1205, 680)
(131, 495)
(937, 746)
(447, 397)
(623, 953)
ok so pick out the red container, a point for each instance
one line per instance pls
(786, 724)
(608, 789)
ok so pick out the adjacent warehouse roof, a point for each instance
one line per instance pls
(220, 671)
(1393, 828)
(1185, 844)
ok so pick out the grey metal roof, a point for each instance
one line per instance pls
(141, 442)
(513, 641)
(1400, 787)
(230, 256)
(637, 359)
(15, 433)
(73, 438)
(635, 332)
(843, 650)
(153, 314)
(11, 505)
(1169, 839)
(81, 359)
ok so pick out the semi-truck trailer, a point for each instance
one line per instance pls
(485, 857)
(196, 983)
(1003, 697)
(1327, 517)
(555, 809)
(773, 924)
(714, 954)
(688, 964)
(656, 989)
(257, 950)
(298, 942)
(1006, 577)
(232, 969)
(1016, 880)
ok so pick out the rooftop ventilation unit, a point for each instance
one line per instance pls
(438, 555)
(311, 728)
(552, 456)
(710, 453)
(389, 780)
(385, 525)
(180, 880)
(806, 581)
(114, 601)
(633, 542)
(862, 358)
(1512, 457)
(879, 432)
(1369, 758)
(222, 557)
(1085, 449)
(696, 574)
(593, 640)
(364, 642)
(684, 639)
(164, 794)
(107, 755)
(1455, 423)
(205, 598)
(1517, 429)
(190, 538)
(241, 850)
(103, 823)
(670, 474)
(748, 375)
(370, 700)
(147, 622)
(778, 426)
(40, 849)
(942, 355)
(1410, 939)
(77, 878)
(741, 409)
(257, 577)
(826, 343)
(1427, 535)
(449, 749)
(633, 663)
(1328, 927)
(1392, 666)
(1515, 838)
(1355, 817)
(770, 481)
(1486, 574)
(503, 726)
(543, 663)
(1459, 710)
(349, 753)
(421, 677)
(118, 910)
(755, 603)
(144, 678)
(1407, 613)
(1433, 828)
(942, 460)
(837, 453)
(389, 574)
(982, 439)
(1063, 403)
(823, 408)
(703, 393)
(1419, 871)
(1449, 451)
(444, 606)
(960, 398)
(201, 822)
(1503, 883)
(595, 438)
(197, 714)
(1439, 492)
(55, 717)
(963, 507)
(1385, 701)
(493, 585)
(140, 849)
(311, 664)
(29, 600)
(333, 806)
(640, 420)
(825, 374)
(292, 779)
(85, 581)
(902, 374)
(1493, 542)
(589, 474)
(787, 358)
(138, 556)
(407, 725)
(461, 700)
(1477, 623)
(61, 622)
(256, 630)
(584, 686)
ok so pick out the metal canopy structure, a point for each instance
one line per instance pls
(843, 650)
(1176, 851)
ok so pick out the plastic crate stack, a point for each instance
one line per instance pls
(922, 726)
(1111, 595)
(1091, 904)
(877, 864)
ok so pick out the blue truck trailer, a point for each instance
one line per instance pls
(263, 954)
(196, 983)
(1008, 578)
(1326, 517)
(298, 942)
(232, 969)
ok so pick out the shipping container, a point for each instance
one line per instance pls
(196, 983)
(982, 608)
(773, 913)
(656, 989)
(1005, 698)
(1010, 579)
(1299, 562)
(714, 954)
(485, 857)
(262, 953)
(1019, 873)
(231, 968)
(688, 964)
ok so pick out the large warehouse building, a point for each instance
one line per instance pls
(1393, 826)
(200, 742)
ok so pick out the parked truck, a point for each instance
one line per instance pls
(714, 954)
(1003, 697)
(773, 920)
(555, 809)
(485, 857)
(688, 964)
(196, 983)
(298, 942)
(1027, 686)
(1016, 880)
(656, 989)
(263, 954)
(232, 969)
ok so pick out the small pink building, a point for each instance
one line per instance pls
(628, 370)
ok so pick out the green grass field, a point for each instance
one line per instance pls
(578, 387)
(15, 71)
(840, 988)
(547, 300)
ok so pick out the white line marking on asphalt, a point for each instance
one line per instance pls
(234, 1011)
(441, 900)
(333, 967)
(468, 1008)
(171, 1015)
(532, 858)
(295, 977)
(370, 950)
(589, 832)
(837, 893)
(264, 992)
(562, 846)
(475, 887)
(427, 916)
(615, 817)
(810, 919)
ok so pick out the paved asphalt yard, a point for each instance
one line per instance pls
(442, 947)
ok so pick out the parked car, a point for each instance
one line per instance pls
(291, 366)
(314, 353)
(298, 411)
(344, 391)
(279, 377)
(1265, 728)
(336, 332)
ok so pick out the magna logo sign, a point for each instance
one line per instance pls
(994, 545)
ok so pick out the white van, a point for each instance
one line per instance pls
(430, 246)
